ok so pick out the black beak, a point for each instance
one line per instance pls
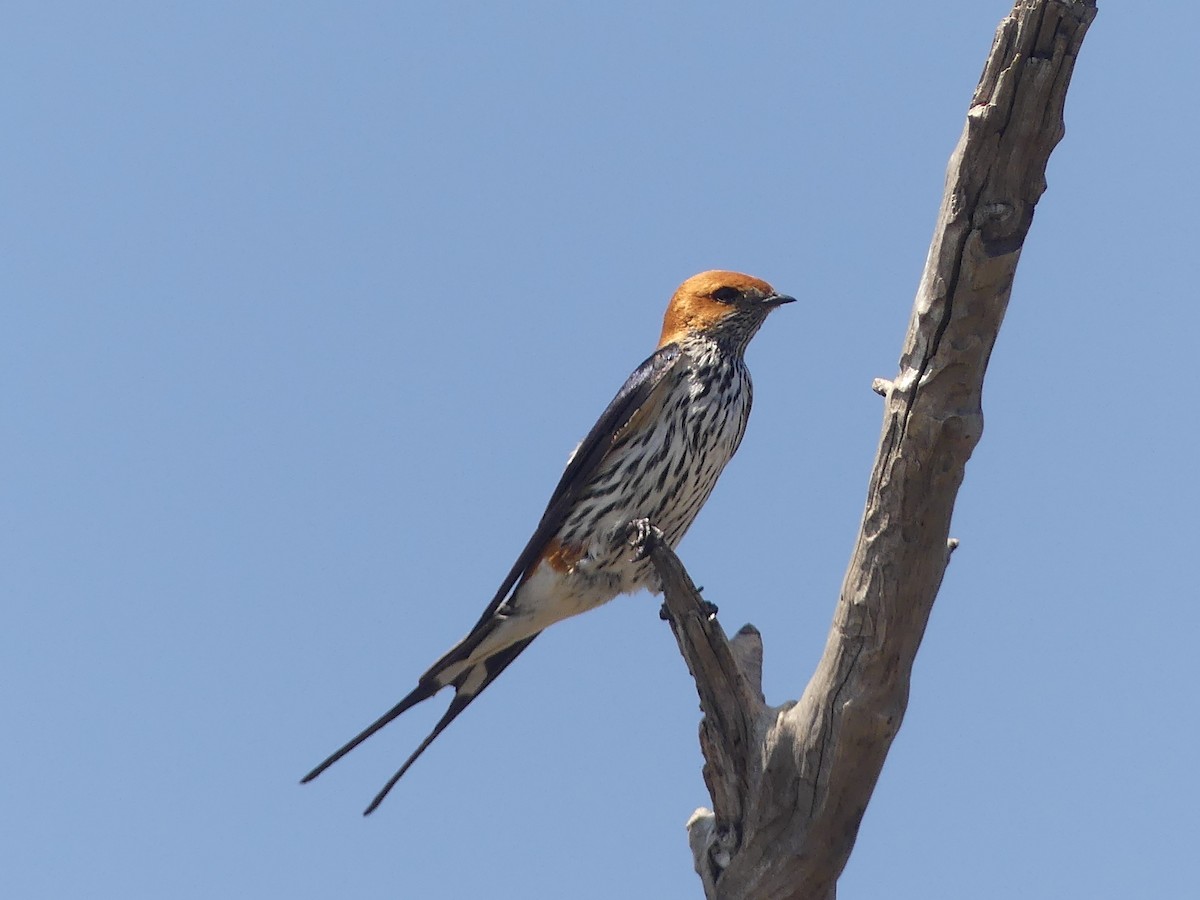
(777, 300)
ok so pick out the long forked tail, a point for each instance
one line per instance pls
(422, 691)
(469, 685)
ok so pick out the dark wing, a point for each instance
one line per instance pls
(584, 463)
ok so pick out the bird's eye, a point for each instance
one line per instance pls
(726, 294)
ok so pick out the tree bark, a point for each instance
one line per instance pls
(790, 784)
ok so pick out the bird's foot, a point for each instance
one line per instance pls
(641, 535)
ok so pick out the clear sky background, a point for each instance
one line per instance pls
(304, 308)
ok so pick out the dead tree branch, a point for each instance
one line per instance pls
(790, 784)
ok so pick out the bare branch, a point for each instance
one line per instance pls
(729, 684)
(790, 785)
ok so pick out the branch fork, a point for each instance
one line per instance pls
(790, 784)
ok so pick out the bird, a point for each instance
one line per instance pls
(654, 455)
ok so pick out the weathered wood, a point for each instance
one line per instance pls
(790, 784)
(728, 678)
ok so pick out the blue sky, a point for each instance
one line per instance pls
(305, 306)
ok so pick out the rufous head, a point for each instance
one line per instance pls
(720, 305)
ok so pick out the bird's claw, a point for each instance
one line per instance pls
(641, 536)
